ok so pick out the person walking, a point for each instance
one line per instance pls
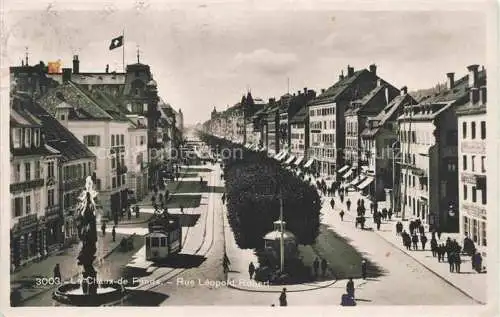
(423, 240)
(363, 269)
(103, 228)
(283, 301)
(223, 198)
(57, 273)
(434, 246)
(399, 228)
(316, 267)
(457, 261)
(332, 203)
(348, 204)
(324, 266)
(421, 230)
(251, 269)
(341, 215)
(113, 233)
(389, 214)
(439, 233)
(350, 287)
(136, 209)
(451, 260)
(414, 239)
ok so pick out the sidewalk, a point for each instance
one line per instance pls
(468, 281)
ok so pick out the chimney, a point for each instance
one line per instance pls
(76, 65)
(380, 82)
(305, 90)
(350, 71)
(66, 76)
(373, 69)
(404, 91)
(299, 92)
(473, 75)
(474, 95)
(322, 90)
(482, 92)
(451, 80)
(107, 68)
(341, 76)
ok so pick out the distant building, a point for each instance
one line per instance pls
(299, 135)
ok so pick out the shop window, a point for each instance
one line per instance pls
(483, 130)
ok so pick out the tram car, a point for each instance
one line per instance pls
(164, 238)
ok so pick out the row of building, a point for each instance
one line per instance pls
(426, 157)
(66, 126)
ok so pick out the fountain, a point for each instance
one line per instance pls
(90, 291)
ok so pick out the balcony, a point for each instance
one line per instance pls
(27, 185)
(52, 212)
(71, 184)
(27, 221)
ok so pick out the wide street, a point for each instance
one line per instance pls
(403, 281)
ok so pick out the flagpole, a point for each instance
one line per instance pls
(123, 50)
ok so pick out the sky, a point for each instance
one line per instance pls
(205, 56)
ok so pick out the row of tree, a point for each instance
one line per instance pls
(254, 183)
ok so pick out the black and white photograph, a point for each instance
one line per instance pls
(240, 153)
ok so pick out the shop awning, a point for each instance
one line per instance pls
(357, 180)
(309, 163)
(299, 160)
(343, 169)
(290, 159)
(346, 175)
(365, 183)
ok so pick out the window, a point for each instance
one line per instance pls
(84, 169)
(163, 242)
(483, 232)
(27, 171)
(92, 140)
(414, 137)
(16, 138)
(17, 173)
(37, 137)
(17, 207)
(112, 140)
(38, 170)
(37, 200)
(155, 242)
(473, 130)
(50, 198)
(474, 194)
(50, 169)
(483, 165)
(113, 182)
(483, 195)
(472, 162)
(27, 139)
(113, 163)
(28, 204)
(465, 192)
(118, 181)
(464, 160)
(145, 107)
(464, 130)
(483, 130)
(122, 139)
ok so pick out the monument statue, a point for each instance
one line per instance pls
(87, 233)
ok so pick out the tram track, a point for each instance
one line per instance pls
(166, 277)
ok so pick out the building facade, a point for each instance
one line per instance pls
(473, 202)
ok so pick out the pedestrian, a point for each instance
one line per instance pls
(389, 213)
(223, 198)
(182, 208)
(372, 207)
(342, 198)
(324, 266)
(451, 261)
(414, 239)
(378, 221)
(439, 233)
(457, 261)
(283, 301)
(136, 209)
(478, 262)
(350, 287)
(434, 246)
(251, 269)
(423, 240)
(113, 234)
(341, 215)
(332, 203)
(316, 267)
(399, 228)
(421, 230)
(348, 204)
(103, 228)
(129, 214)
(363, 269)
(57, 273)
(384, 213)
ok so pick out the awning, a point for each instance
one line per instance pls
(309, 163)
(343, 169)
(299, 160)
(290, 159)
(277, 156)
(356, 180)
(365, 183)
(346, 175)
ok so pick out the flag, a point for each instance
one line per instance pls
(116, 42)
(54, 67)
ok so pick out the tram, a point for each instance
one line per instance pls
(164, 238)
